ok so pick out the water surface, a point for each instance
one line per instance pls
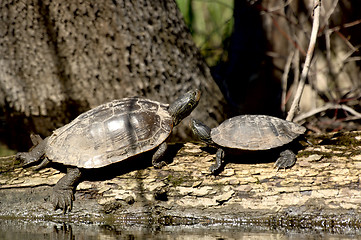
(43, 230)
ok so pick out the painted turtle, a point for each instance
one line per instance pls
(107, 134)
(250, 133)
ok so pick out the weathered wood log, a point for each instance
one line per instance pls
(322, 190)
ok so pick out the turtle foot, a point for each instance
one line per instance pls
(218, 166)
(63, 192)
(215, 169)
(286, 160)
(26, 158)
(62, 199)
(159, 164)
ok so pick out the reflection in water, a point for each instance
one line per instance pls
(41, 230)
(63, 232)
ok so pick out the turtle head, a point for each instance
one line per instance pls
(202, 131)
(184, 105)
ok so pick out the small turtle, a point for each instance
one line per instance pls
(107, 134)
(251, 133)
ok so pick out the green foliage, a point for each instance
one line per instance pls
(211, 25)
(5, 151)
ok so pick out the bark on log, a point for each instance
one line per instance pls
(321, 191)
(60, 58)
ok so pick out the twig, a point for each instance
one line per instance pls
(284, 79)
(327, 37)
(296, 67)
(330, 12)
(311, 48)
(348, 43)
(326, 107)
(287, 37)
(353, 59)
(346, 25)
(277, 8)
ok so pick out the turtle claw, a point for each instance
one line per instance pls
(62, 199)
(214, 169)
(286, 160)
(159, 165)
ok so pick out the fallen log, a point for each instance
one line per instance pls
(321, 190)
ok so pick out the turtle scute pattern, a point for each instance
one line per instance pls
(255, 132)
(110, 133)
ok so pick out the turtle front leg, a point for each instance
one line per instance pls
(215, 168)
(158, 156)
(286, 160)
(63, 192)
(34, 154)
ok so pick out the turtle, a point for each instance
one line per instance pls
(249, 133)
(107, 134)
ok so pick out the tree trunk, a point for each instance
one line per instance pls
(60, 58)
(321, 191)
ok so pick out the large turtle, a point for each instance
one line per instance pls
(107, 134)
(250, 133)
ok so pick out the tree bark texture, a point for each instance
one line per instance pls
(60, 58)
(321, 191)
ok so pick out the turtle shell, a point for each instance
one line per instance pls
(110, 133)
(255, 132)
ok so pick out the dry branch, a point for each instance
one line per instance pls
(311, 47)
(328, 106)
(284, 79)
